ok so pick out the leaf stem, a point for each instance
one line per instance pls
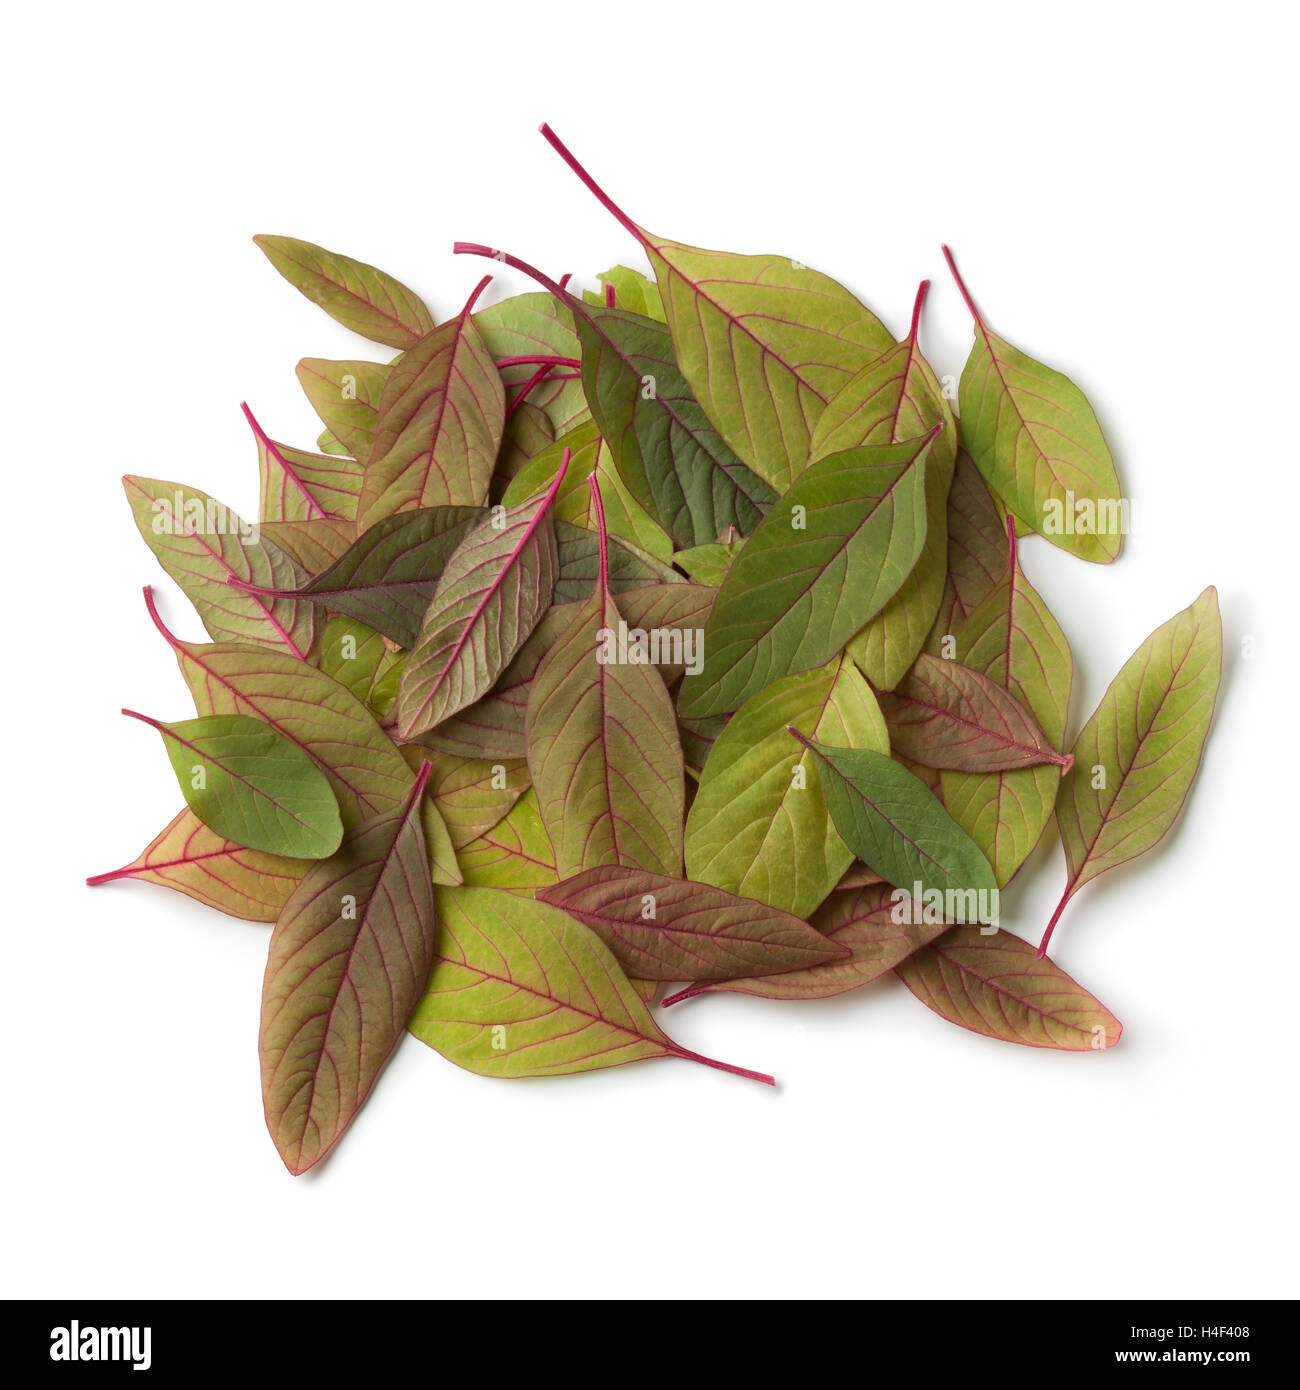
(143, 718)
(1056, 917)
(271, 448)
(961, 285)
(687, 1055)
(529, 386)
(529, 361)
(476, 248)
(593, 486)
(170, 637)
(690, 992)
(601, 196)
(916, 310)
(473, 297)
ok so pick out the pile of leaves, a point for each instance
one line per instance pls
(670, 633)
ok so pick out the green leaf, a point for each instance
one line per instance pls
(352, 653)
(759, 826)
(822, 563)
(535, 325)
(360, 297)
(708, 564)
(892, 821)
(602, 744)
(346, 396)
(527, 433)
(866, 922)
(995, 985)
(439, 424)
(251, 785)
(308, 707)
(947, 716)
(203, 545)
(630, 567)
(299, 486)
(895, 398)
(520, 989)
(764, 341)
(1012, 638)
(1036, 440)
(515, 854)
(632, 290)
(492, 593)
(661, 928)
(203, 865)
(472, 794)
(315, 544)
(1135, 759)
(387, 577)
(977, 550)
(328, 443)
(349, 958)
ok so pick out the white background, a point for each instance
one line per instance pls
(1118, 183)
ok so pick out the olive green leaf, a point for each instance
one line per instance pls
(196, 861)
(493, 592)
(759, 826)
(977, 550)
(630, 567)
(354, 654)
(764, 341)
(439, 425)
(945, 715)
(894, 823)
(996, 985)
(360, 297)
(895, 398)
(251, 785)
(603, 751)
(527, 433)
(1135, 759)
(521, 989)
(1036, 440)
(327, 442)
(524, 328)
(387, 577)
(474, 794)
(866, 922)
(350, 955)
(708, 564)
(203, 545)
(299, 486)
(314, 544)
(661, 928)
(631, 290)
(821, 564)
(346, 396)
(1012, 638)
(308, 707)
(515, 854)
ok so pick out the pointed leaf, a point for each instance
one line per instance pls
(202, 544)
(977, 549)
(300, 486)
(822, 563)
(892, 821)
(603, 750)
(359, 296)
(349, 958)
(1143, 745)
(492, 593)
(520, 989)
(759, 826)
(251, 785)
(346, 396)
(439, 425)
(865, 922)
(996, 985)
(515, 854)
(662, 928)
(198, 862)
(947, 716)
(630, 567)
(473, 795)
(1036, 440)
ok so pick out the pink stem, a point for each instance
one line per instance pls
(269, 445)
(961, 285)
(538, 361)
(474, 294)
(530, 385)
(599, 508)
(1011, 541)
(689, 992)
(143, 718)
(916, 309)
(609, 296)
(171, 638)
(1056, 917)
(476, 248)
(690, 1056)
(565, 278)
(602, 197)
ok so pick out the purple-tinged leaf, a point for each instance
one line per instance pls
(520, 989)
(662, 928)
(439, 425)
(493, 592)
(977, 550)
(350, 955)
(998, 986)
(945, 715)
